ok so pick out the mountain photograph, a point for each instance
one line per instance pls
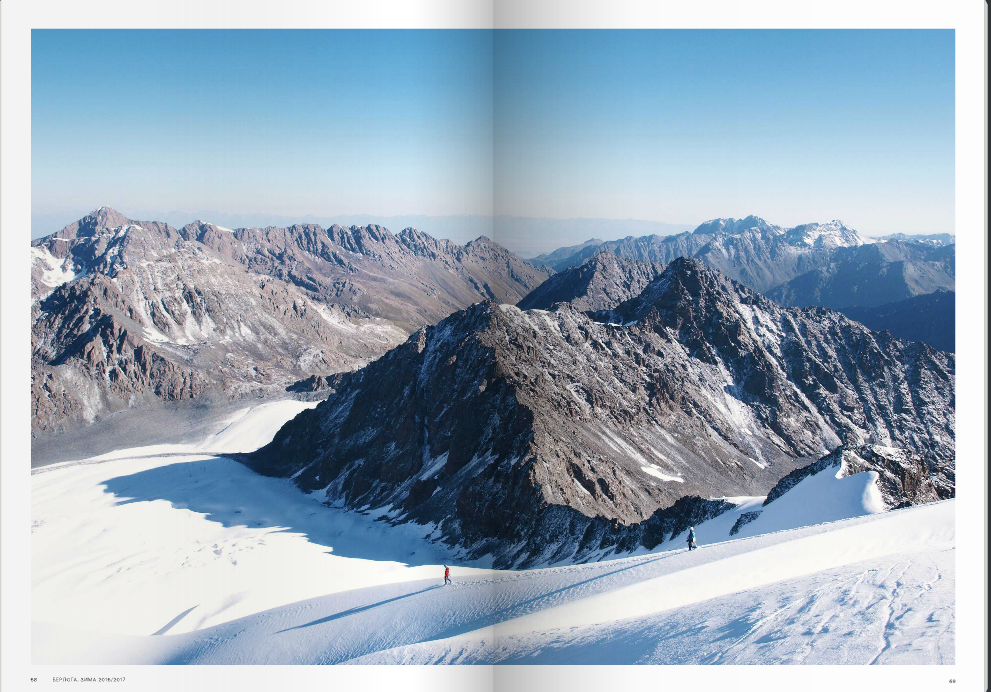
(631, 423)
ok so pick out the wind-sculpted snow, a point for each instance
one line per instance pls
(894, 610)
(555, 425)
(903, 478)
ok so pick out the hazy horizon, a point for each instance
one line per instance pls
(544, 234)
(663, 127)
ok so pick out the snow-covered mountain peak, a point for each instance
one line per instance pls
(827, 235)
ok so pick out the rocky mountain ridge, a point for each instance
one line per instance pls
(603, 281)
(126, 312)
(515, 431)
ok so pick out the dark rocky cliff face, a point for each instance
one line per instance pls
(537, 435)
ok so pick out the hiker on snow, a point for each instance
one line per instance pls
(691, 538)
(447, 575)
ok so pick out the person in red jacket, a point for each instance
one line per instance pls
(447, 575)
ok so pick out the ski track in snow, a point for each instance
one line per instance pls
(174, 554)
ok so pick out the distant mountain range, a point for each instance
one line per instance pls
(930, 238)
(527, 236)
(534, 435)
(750, 249)
(127, 312)
(868, 273)
(826, 264)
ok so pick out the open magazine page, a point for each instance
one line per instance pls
(401, 357)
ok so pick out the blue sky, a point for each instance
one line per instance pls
(280, 122)
(672, 126)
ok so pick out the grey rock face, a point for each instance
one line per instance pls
(514, 431)
(602, 282)
(127, 311)
(179, 328)
(904, 478)
(741, 521)
(410, 279)
(314, 383)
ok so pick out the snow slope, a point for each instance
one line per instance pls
(127, 542)
(180, 556)
(891, 611)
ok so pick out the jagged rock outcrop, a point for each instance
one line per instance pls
(513, 431)
(904, 478)
(742, 520)
(315, 383)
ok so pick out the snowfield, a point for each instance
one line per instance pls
(176, 554)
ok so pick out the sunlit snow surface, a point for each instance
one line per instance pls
(174, 554)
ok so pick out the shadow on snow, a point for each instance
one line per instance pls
(227, 492)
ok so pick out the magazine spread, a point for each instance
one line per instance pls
(563, 345)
